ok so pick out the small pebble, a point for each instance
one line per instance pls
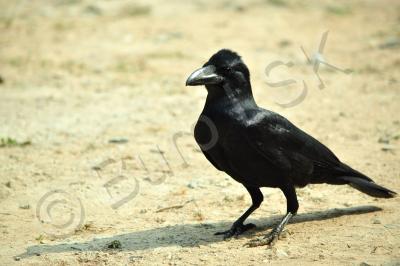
(387, 147)
(281, 254)
(390, 43)
(118, 140)
(376, 221)
(384, 140)
(114, 244)
(25, 206)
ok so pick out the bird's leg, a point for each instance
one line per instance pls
(292, 207)
(238, 227)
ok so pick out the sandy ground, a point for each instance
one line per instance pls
(93, 100)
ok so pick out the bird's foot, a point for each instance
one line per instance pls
(236, 230)
(273, 236)
(270, 239)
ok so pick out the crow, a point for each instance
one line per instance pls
(260, 148)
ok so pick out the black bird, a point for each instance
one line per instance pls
(260, 148)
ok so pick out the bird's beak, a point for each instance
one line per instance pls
(204, 76)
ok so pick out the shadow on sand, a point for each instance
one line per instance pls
(185, 235)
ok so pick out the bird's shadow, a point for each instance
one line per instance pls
(184, 235)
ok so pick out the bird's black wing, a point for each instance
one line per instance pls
(285, 146)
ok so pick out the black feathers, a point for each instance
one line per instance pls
(369, 187)
(224, 58)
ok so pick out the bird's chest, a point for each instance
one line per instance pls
(216, 131)
(220, 138)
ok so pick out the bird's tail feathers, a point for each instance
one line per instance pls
(369, 187)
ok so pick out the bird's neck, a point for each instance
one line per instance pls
(228, 94)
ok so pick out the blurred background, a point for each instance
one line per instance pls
(97, 159)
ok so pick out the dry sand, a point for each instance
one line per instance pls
(82, 75)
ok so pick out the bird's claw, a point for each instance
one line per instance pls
(270, 239)
(236, 230)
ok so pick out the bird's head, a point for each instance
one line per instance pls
(225, 69)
